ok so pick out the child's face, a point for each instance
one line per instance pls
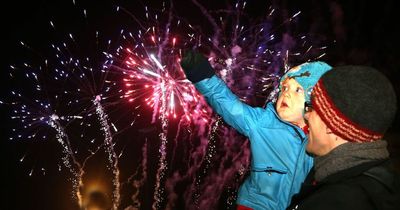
(290, 104)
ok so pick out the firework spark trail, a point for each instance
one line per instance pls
(189, 174)
(170, 185)
(182, 123)
(109, 145)
(194, 162)
(207, 160)
(166, 34)
(78, 173)
(224, 176)
(159, 189)
(137, 184)
(243, 159)
(62, 138)
(193, 166)
(177, 177)
(200, 194)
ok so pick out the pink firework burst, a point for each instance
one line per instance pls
(153, 77)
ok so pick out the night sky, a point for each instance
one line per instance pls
(355, 32)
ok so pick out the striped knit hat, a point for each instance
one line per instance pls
(357, 103)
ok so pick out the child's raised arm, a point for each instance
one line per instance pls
(234, 112)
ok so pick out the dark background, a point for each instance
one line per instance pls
(365, 32)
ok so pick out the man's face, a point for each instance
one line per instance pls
(290, 104)
(319, 141)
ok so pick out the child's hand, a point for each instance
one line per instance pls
(196, 66)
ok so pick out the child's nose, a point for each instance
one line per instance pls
(286, 93)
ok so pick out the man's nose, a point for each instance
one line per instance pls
(306, 115)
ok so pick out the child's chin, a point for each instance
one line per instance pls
(283, 114)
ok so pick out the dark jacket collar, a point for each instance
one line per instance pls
(352, 172)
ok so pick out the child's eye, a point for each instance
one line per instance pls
(285, 88)
(299, 90)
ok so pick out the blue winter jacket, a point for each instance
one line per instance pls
(279, 162)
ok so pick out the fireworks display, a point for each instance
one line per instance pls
(105, 106)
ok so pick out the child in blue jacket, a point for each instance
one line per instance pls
(279, 162)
